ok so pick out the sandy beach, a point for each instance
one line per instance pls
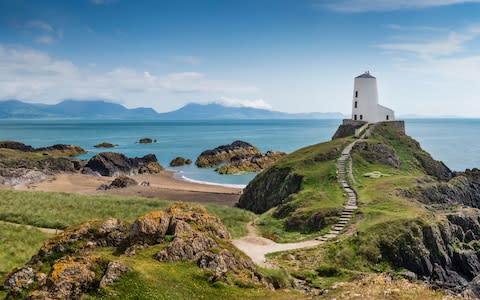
(163, 186)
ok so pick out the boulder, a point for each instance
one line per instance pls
(146, 141)
(269, 189)
(180, 161)
(16, 146)
(150, 229)
(114, 271)
(116, 164)
(250, 163)
(105, 145)
(123, 182)
(213, 157)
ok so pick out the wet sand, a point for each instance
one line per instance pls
(163, 186)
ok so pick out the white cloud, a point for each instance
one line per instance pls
(233, 102)
(39, 25)
(28, 74)
(187, 59)
(359, 6)
(453, 43)
(44, 39)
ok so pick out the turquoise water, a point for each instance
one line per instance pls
(455, 141)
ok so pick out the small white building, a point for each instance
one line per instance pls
(365, 105)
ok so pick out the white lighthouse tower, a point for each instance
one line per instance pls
(365, 105)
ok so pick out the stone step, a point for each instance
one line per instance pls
(343, 222)
(350, 207)
(334, 232)
(339, 227)
(330, 236)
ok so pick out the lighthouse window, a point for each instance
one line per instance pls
(355, 117)
(361, 117)
(356, 104)
(356, 94)
(388, 117)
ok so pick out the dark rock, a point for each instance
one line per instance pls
(105, 145)
(377, 153)
(180, 161)
(116, 164)
(213, 157)
(459, 190)
(16, 146)
(146, 141)
(269, 189)
(433, 167)
(123, 182)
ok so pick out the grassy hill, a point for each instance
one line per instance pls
(394, 229)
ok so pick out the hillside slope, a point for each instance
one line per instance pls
(414, 214)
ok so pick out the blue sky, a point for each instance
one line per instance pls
(288, 55)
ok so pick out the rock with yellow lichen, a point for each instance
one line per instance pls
(73, 263)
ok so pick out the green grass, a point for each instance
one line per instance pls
(60, 210)
(320, 192)
(17, 245)
(150, 279)
(384, 214)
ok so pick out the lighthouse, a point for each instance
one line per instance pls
(365, 105)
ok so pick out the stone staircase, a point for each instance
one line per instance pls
(344, 171)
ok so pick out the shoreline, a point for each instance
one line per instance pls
(165, 185)
(178, 175)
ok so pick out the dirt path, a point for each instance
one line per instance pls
(257, 247)
(41, 229)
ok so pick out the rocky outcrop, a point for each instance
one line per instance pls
(26, 171)
(433, 167)
(213, 157)
(377, 153)
(346, 130)
(269, 189)
(54, 150)
(146, 141)
(458, 191)
(68, 265)
(444, 253)
(250, 163)
(120, 182)
(105, 145)
(180, 161)
(117, 164)
(16, 146)
(61, 150)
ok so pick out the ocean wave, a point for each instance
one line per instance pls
(179, 175)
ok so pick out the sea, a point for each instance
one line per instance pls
(454, 141)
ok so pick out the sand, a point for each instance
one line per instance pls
(163, 186)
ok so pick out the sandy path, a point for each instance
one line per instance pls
(163, 186)
(256, 247)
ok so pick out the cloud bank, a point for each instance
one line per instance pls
(28, 74)
(359, 6)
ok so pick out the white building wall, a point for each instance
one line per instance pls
(385, 114)
(365, 94)
(365, 105)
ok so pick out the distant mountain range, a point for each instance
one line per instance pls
(98, 109)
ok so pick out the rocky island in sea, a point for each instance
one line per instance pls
(237, 157)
